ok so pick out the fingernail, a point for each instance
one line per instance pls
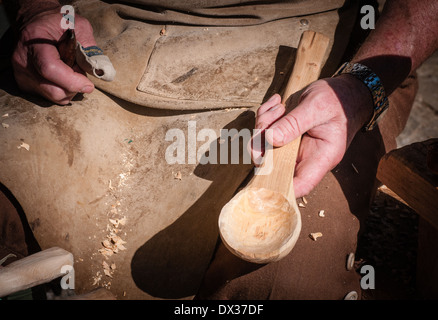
(87, 89)
(271, 99)
(275, 107)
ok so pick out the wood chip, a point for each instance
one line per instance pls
(122, 221)
(301, 205)
(178, 175)
(315, 235)
(107, 244)
(117, 222)
(107, 273)
(304, 200)
(97, 278)
(321, 213)
(5, 125)
(106, 269)
(106, 252)
(24, 145)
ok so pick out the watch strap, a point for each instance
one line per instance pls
(373, 83)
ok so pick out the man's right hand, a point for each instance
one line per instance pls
(37, 65)
(330, 112)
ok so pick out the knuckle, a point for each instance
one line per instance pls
(16, 59)
(292, 126)
(46, 67)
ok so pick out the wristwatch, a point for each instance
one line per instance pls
(372, 81)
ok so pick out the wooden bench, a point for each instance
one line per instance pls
(411, 172)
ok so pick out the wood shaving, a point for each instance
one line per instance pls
(354, 168)
(315, 235)
(301, 205)
(321, 213)
(5, 115)
(304, 200)
(107, 273)
(97, 278)
(178, 175)
(117, 222)
(11, 255)
(24, 145)
(106, 269)
(5, 125)
(112, 244)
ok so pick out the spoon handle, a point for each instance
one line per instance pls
(277, 172)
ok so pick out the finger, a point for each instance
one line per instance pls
(294, 124)
(274, 100)
(30, 81)
(267, 118)
(313, 163)
(48, 64)
(84, 32)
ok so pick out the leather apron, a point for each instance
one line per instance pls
(96, 170)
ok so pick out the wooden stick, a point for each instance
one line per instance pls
(33, 270)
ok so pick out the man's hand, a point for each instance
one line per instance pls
(329, 114)
(37, 64)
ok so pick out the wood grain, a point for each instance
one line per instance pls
(33, 270)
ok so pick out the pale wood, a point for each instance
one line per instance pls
(269, 196)
(384, 189)
(33, 270)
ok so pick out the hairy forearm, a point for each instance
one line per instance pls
(405, 36)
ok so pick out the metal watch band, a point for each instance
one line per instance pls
(372, 81)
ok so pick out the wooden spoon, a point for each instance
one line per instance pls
(262, 222)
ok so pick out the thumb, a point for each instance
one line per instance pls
(291, 126)
(84, 32)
